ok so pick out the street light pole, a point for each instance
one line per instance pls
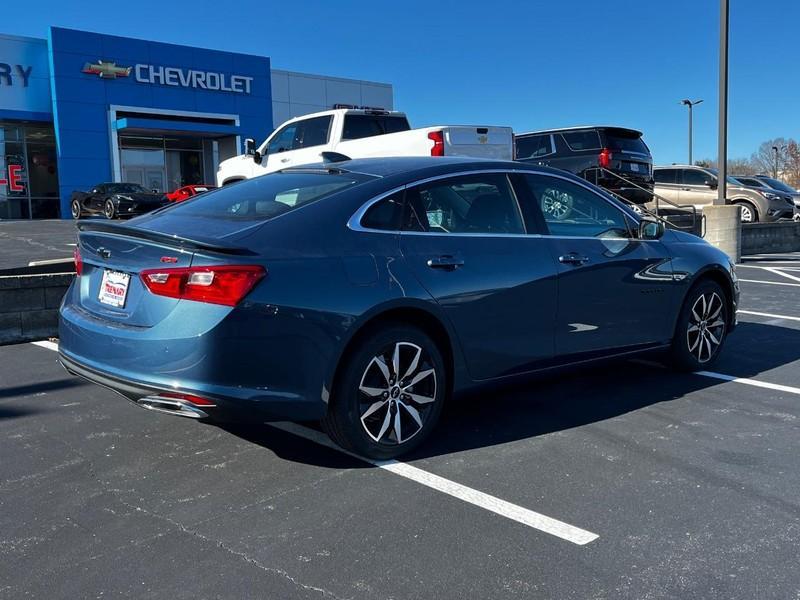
(722, 153)
(690, 104)
(775, 170)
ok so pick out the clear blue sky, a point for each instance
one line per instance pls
(529, 64)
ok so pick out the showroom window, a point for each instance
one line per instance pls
(33, 150)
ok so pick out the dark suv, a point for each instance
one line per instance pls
(584, 150)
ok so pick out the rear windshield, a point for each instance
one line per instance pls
(361, 126)
(620, 139)
(266, 197)
(776, 184)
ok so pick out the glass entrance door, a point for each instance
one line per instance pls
(162, 163)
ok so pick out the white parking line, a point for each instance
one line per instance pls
(770, 282)
(517, 513)
(771, 316)
(46, 344)
(753, 382)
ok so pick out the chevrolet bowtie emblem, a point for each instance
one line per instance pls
(106, 70)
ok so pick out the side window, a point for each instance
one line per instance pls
(534, 146)
(467, 204)
(386, 214)
(284, 140)
(586, 139)
(665, 175)
(312, 132)
(572, 210)
(357, 126)
(696, 177)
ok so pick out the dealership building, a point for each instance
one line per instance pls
(82, 108)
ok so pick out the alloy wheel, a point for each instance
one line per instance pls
(76, 210)
(706, 326)
(556, 204)
(397, 391)
(747, 213)
(109, 209)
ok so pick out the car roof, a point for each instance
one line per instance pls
(579, 128)
(395, 165)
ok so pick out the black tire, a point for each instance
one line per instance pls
(700, 336)
(349, 421)
(748, 207)
(75, 209)
(109, 210)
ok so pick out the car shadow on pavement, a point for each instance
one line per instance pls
(540, 405)
(13, 412)
(19, 391)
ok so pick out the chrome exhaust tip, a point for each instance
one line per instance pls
(171, 406)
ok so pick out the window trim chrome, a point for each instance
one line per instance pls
(354, 222)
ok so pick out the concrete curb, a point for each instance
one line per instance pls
(29, 306)
(765, 238)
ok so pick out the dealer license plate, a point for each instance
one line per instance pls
(114, 288)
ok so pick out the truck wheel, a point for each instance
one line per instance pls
(389, 394)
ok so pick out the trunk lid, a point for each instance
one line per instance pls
(479, 142)
(114, 255)
(632, 157)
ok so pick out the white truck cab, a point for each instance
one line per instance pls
(361, 133)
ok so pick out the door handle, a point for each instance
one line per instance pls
(573, 259)
(285, 160)
(446, 262)
(686, 189)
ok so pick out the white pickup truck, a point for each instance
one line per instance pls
(360, 134)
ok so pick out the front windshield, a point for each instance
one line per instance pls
(729, 179)
(127, 188)
(778, 185)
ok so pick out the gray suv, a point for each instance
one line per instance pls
(685, 184)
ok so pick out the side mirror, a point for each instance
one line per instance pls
(713, 184)
(650, 228)
(250, 150)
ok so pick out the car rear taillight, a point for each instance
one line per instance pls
(76, 256)
(225, 285)
(605, 158)
(191, 398)
(438, 143)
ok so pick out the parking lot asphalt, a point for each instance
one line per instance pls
(23, 242)
(687, 484)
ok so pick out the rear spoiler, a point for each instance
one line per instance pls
(162, 238)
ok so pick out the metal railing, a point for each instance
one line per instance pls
(658, 201)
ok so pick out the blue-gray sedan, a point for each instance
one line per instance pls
(365, 293)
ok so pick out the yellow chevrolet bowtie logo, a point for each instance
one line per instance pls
(106, 70)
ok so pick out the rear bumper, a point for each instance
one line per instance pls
(224, 409)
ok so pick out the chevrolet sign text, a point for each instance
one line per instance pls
(191, 78)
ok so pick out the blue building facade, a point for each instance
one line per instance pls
(83, 108)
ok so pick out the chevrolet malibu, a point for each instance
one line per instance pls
(366, 293)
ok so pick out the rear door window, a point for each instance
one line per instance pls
(665, 175)
(467, 204)
(534, 146)
(385, 215)
(585, 139)
(360, 126)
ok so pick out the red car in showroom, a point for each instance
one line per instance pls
(188, 191)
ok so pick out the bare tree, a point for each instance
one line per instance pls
(764, 157)
(741, 166)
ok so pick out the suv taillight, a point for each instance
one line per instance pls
(216, 285)
(605, 158)
(438, 143)
(76, 256)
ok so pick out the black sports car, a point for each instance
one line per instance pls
(115, 200)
